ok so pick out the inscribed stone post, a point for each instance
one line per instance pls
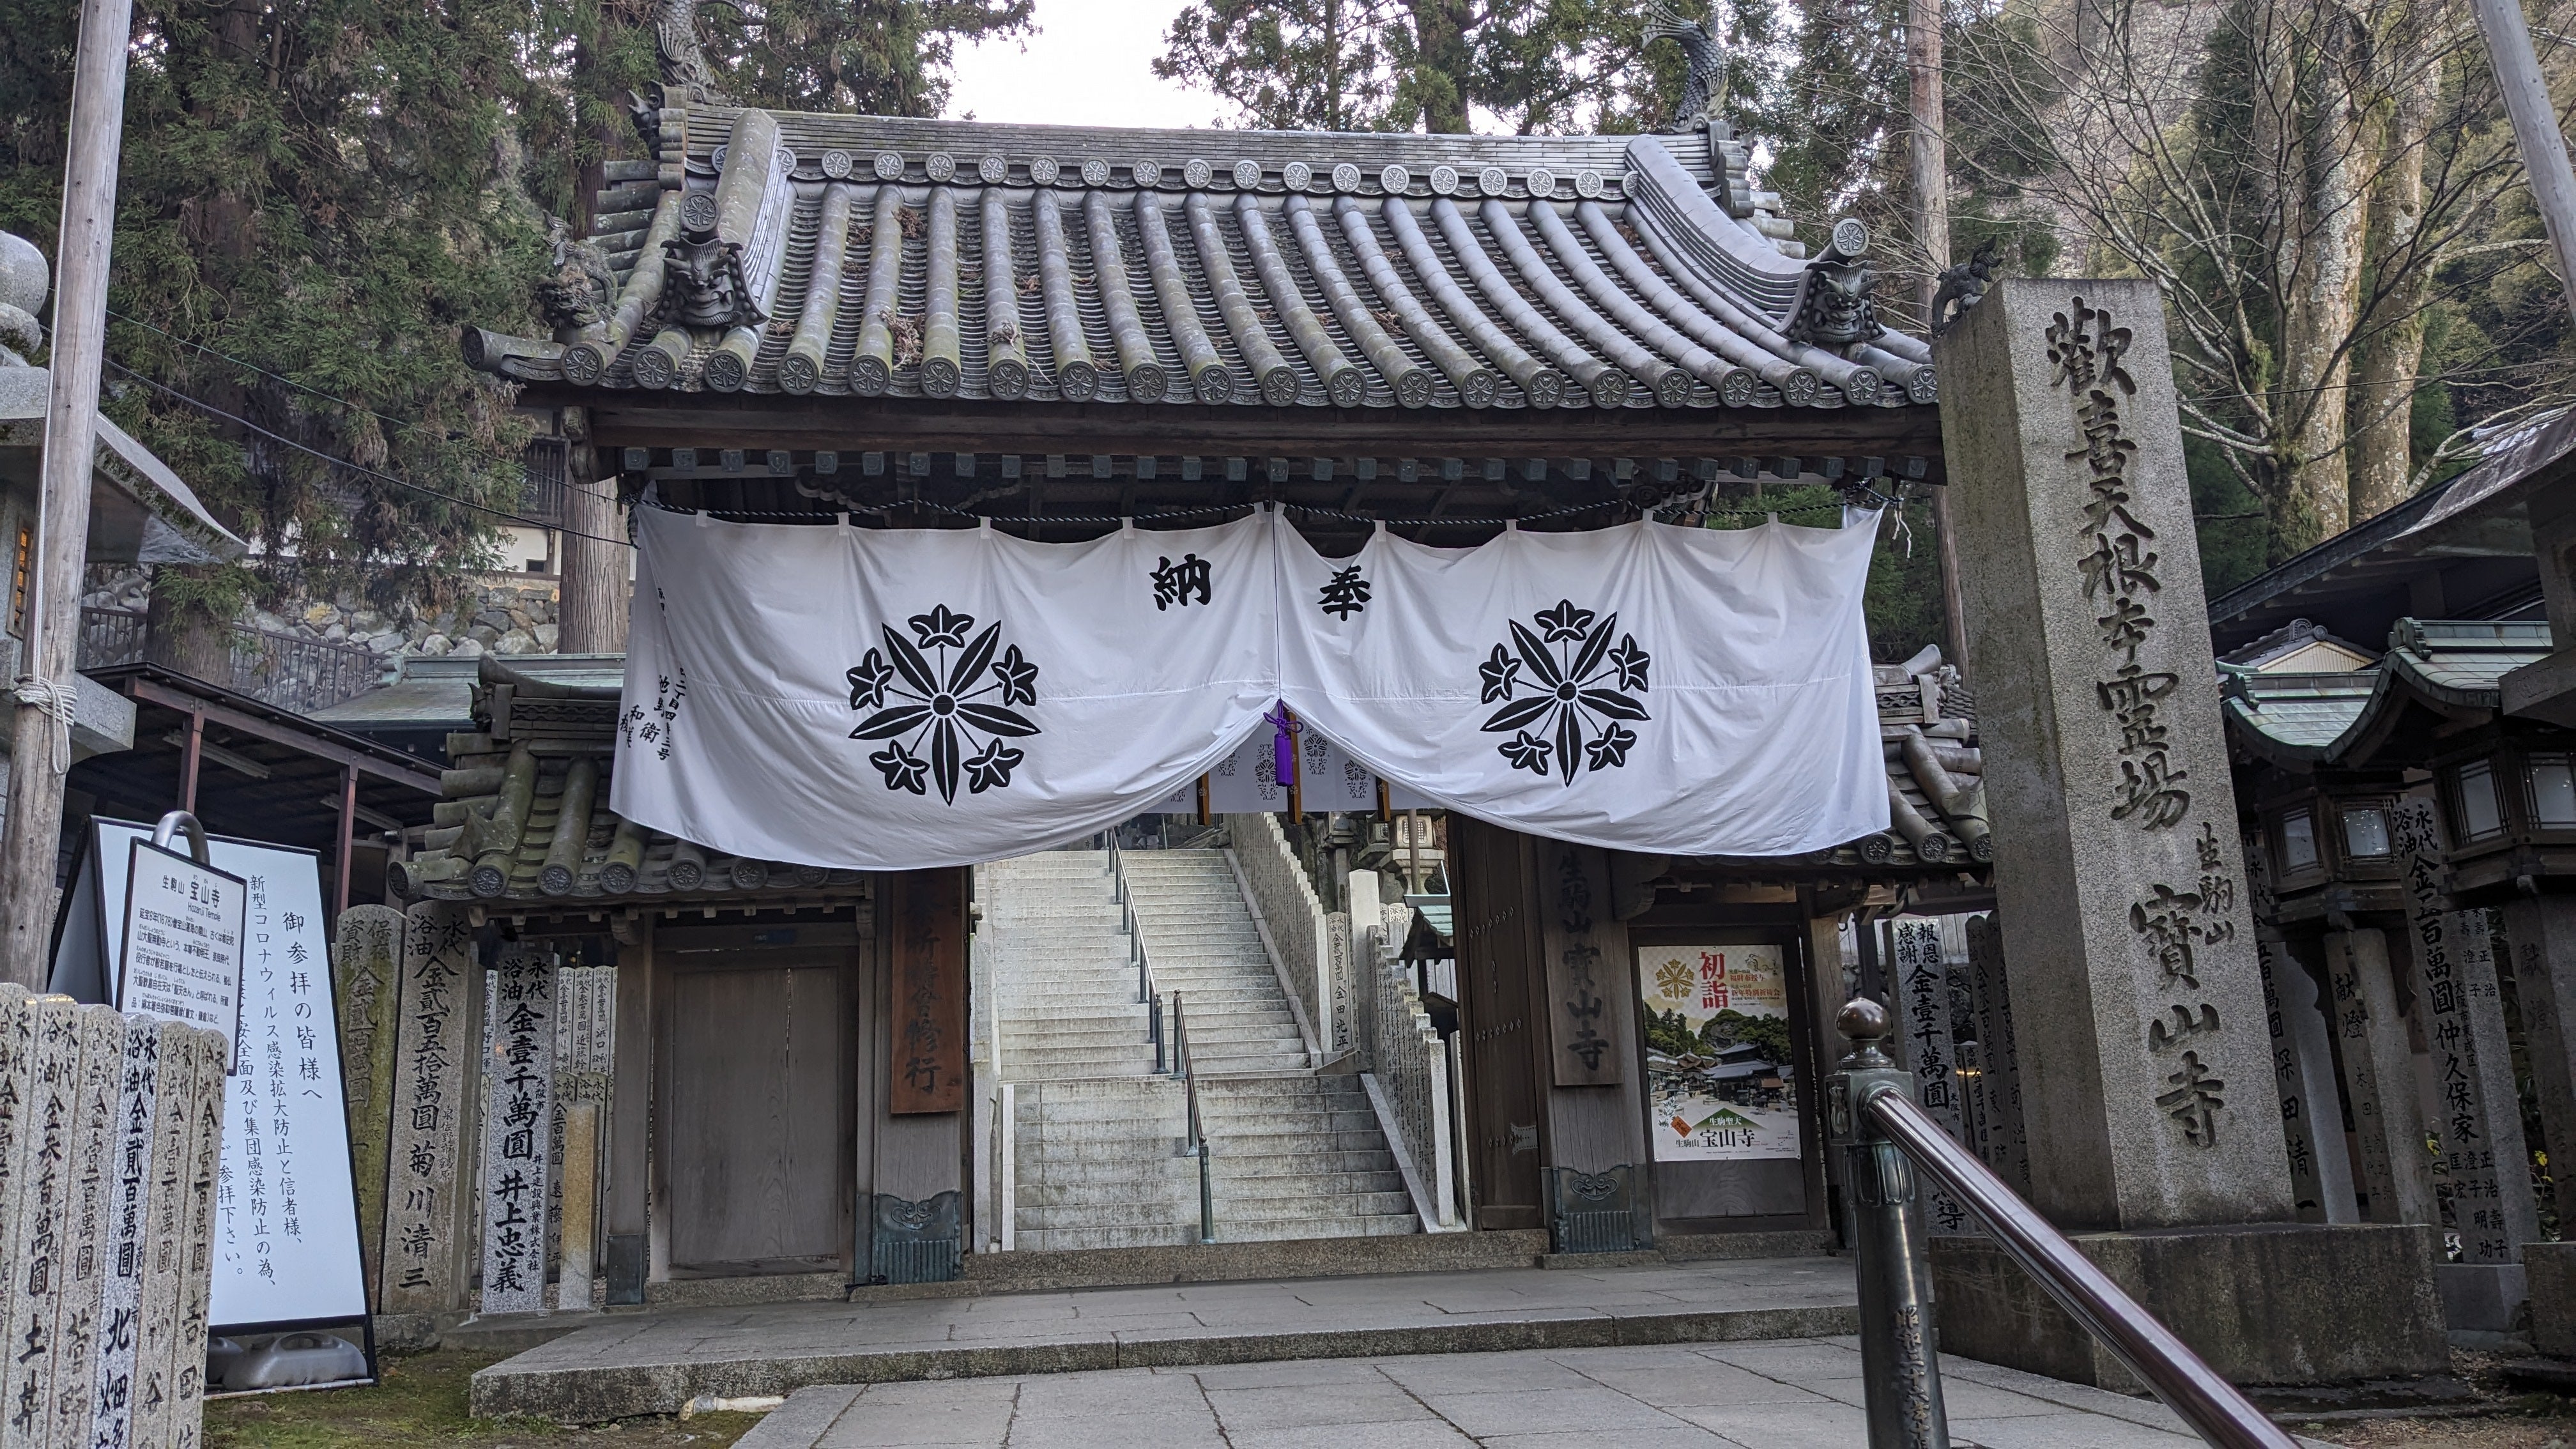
(366, 971)
(17, 1090)
(2142, 1055)
(1339, 958)
(1999, 1070)
(427, 1190)
(38, 1251)
(196, 1271)
(2486, 1172)
(2379, 1079)
(1923, 1012)
(124, 1251)
(174, 1115)
(518, 1106)
(85, 1217)
(2541, 932)
(2298, 1125)
(583, 1061)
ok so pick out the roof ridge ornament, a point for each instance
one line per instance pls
(684, 64)
(1834, 306)
(1704, 90)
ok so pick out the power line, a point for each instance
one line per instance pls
(211, 410)
(249, 366)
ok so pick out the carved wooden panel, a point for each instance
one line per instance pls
(928, 1063)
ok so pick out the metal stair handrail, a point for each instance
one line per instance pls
(1136, 952)
(1196, 1143)
(1872, 1116)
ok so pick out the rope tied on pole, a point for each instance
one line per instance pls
(60, 702)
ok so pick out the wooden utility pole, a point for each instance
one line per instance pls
(592, 616)
(1928, 161)
(40, 735)
(2535, 129)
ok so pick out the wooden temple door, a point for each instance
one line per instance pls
(759, 1038)
(1497, 934)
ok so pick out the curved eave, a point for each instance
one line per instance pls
(2264, 740)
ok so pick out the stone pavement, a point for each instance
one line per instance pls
(656, 1362)
(1800, 1393)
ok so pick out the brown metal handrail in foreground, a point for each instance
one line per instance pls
(1884, 1135)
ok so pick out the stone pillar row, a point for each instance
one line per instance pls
(111, 1130)
(492, 1179)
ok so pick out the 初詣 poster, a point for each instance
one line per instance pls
(1719, 1082)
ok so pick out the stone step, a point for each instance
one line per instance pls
(1240, 1231)
(1138, 1236)
(1103, 1215)
(1073, 1175)
(1323, 1192)
(1266, 1129)
(1076, 1158)
(1106, 1182)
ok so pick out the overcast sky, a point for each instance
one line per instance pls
(1089, 64)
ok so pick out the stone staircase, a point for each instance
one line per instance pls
(1293, 1153)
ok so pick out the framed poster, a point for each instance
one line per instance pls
(286, 1216)
(1721, 1085)
(181, 935)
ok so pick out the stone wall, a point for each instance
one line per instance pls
(1284, 896)
(496, 613)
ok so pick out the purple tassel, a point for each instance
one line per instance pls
(1283, 747)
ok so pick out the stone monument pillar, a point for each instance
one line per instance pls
(2379, 1078)
(518, 1108)
(2144, 1058)
(366, 977)
(435, 1098)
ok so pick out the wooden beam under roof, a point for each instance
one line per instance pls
(756, 423)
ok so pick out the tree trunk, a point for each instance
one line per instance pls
(180, 634)
(1440, 39)
(2385, 366)
(592, 619)
(2324, 292)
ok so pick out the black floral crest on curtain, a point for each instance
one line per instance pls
(1581, 693)
(950, 696)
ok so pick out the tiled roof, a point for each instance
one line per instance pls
(846, 255)
(2330, 718)
(2295, 716)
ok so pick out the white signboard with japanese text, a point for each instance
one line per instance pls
(182, 934)
(286, 1215)
(1720, 1082)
